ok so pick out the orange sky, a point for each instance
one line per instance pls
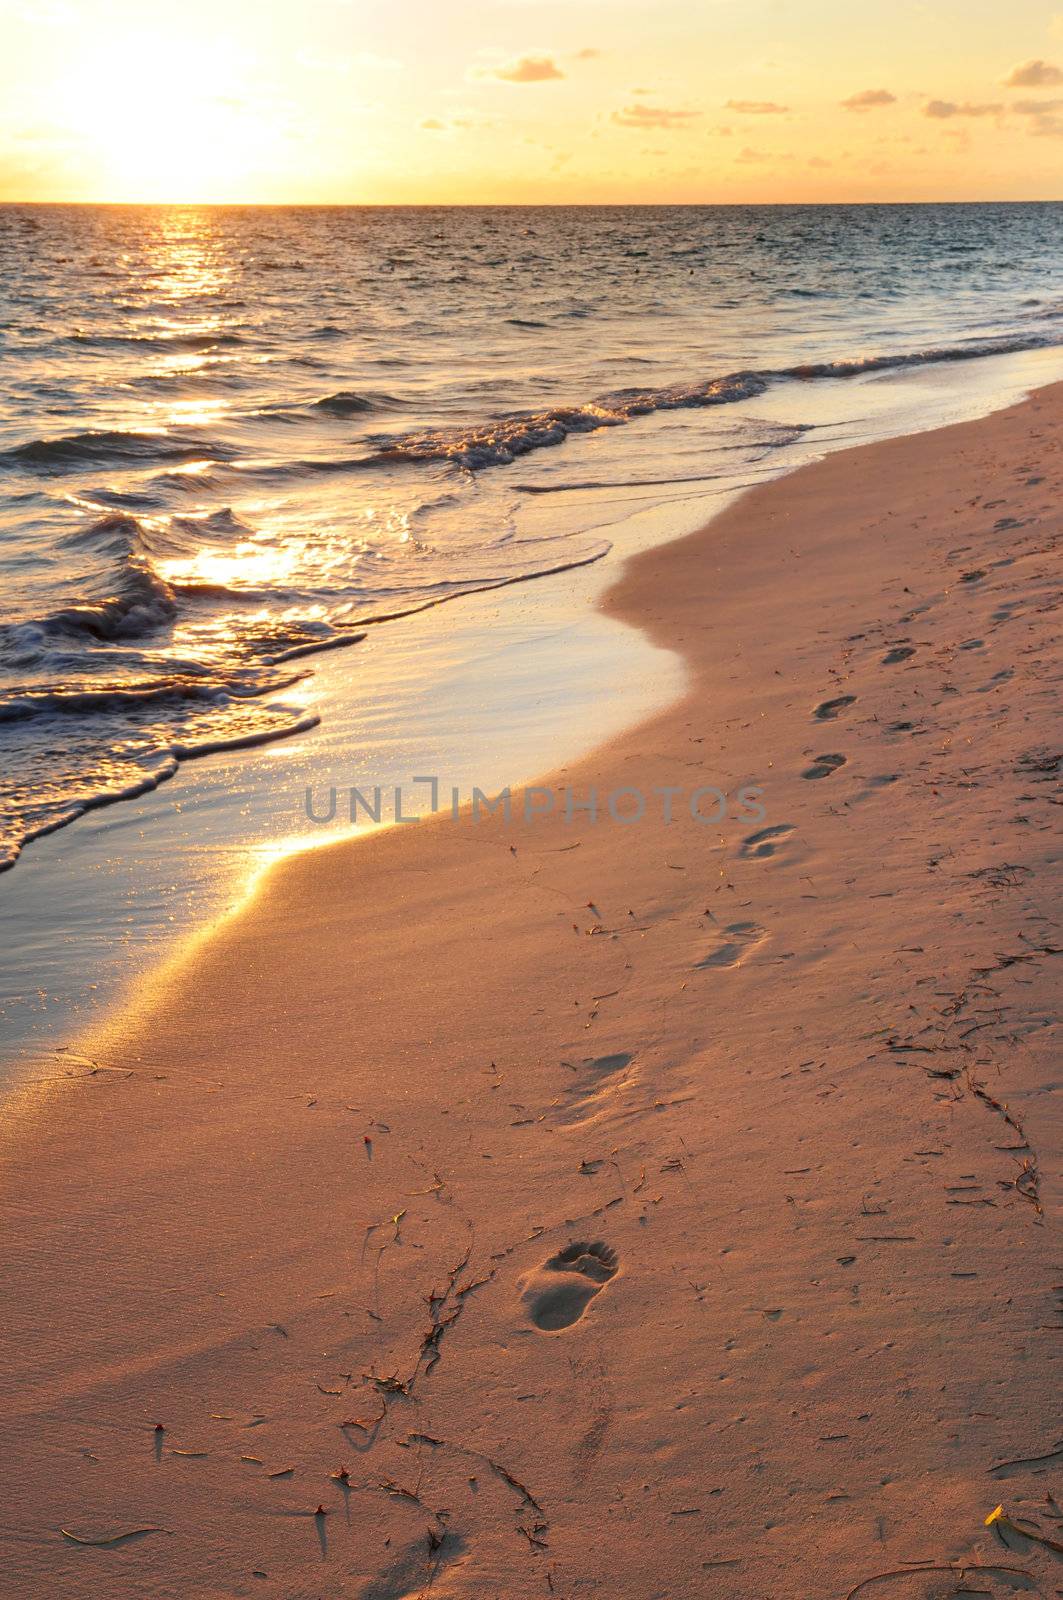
(392, 101)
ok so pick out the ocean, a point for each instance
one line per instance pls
(247, 454)
(233, 438)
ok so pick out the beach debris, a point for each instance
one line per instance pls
(958, 1569)
(367, 1424)
(527, 1498)
(391, 1222)
(1045, 1460)
(515, 1483)
(392, 1384)
(999, 1520)
(109, 1540)
(437, 1185)
(341, 1475)
(399, 1490)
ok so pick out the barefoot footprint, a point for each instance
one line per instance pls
(829, 710)
(558, 1293)
(765, 843)
(823, 766)
(737, 941)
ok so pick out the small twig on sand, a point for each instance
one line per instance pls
(958, 1570)
(110, 1538)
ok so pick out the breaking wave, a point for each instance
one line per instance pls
(493, 444)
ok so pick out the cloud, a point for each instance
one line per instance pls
(640, 116)
(818, 161)
(756, 108)
(868, 98)
(588, 53)
(942, 109)
(528, 69)
(1034, 75)
(751, 157)
(460, 123)
(1045, 121)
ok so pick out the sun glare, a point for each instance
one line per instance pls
(167, 119)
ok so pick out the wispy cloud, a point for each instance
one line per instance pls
(640, 116)
(756, 108)
(1045, 121)
(943, 109)
(527, 69)
(1034, 75)
(868, 98)
(457, 124)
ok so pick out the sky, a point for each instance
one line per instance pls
(530, 101)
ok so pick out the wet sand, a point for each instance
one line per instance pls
(570, 1207)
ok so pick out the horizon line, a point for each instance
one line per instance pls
(512, 205)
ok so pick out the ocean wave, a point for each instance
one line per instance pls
(163, 763)
(854, 366)
(499, 442)
(139, 602)
(109, 447)
(349, 403)
(165, 340)
(56, 699)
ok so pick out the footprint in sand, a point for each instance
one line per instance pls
(738, 941)
(823, 766)
(593, 1090)
(900, 652)
(760, 845)
(558, 1293)
(828, 710)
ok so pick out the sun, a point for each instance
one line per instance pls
(166, 118)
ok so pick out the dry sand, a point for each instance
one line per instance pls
(628, 1211)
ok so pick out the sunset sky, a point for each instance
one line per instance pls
(391, 101)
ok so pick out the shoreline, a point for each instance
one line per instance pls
(324, 1186)
(135, 880)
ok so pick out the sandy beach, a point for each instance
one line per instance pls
(564, 1207)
